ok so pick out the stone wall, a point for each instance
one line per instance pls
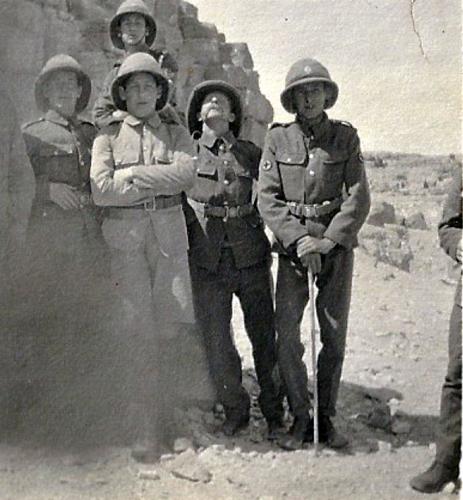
(31, 31)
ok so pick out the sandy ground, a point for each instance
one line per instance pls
(395, 361)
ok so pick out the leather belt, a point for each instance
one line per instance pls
(223, 211)
(152, 205)
(314, 211)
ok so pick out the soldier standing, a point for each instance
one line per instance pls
(230, 253)
(133, 29)
(446, 465)
(140, 167)
(64, 240)
(305, 167)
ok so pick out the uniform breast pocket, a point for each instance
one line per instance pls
(332, 171)
(292, 165)
(207, 170)
(58, 163)
(125, 157)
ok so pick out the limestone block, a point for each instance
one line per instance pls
(241, 56)
(236, 76)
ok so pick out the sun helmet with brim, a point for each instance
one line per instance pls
(62, 62)
(139, 63)
(307, 71)
(196, 100)
(132, 7)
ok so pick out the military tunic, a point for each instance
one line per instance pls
(145, 230)
(66, 270)
(448, 441)
(312, 182)
(65, 245)
(229, 254)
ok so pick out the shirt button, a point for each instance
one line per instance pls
(226, 182)
(311, 172)
(226, 162)
(311, 155)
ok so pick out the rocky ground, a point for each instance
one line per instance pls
(389, 400)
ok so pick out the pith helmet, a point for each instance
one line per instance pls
(139, 63)
(132, 7)
(196, 99)
(306, 71)
(62, 62)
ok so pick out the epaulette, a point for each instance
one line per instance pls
(276, 125)
(32, 122)
(342, 122)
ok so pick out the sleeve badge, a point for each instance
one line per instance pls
(267, 165)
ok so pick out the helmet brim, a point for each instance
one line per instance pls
(83, 80)
(286, 96)
(196, 100)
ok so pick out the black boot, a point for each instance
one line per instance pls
(274, 429)
(327, 434)
(435, 478)
(296, 437)
(234, 423)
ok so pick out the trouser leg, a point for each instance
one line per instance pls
(449, 436)
(255, 295)
(333, 301)
(291, 298)
(212, 292)
(135, 336)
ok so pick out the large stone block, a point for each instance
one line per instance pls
(258, 107)
(236, 76)
(381, 213)
(204, 51)
(241, 56)
(191, 28)
(389, 244)
(254, 131)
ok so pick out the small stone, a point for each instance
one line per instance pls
(187, 466)
(432, 447)
(182, 444)
(253, 454)
(384, 447)
(380, 418)
(400, 426)
(149, 475)
(167, 457)
(449, 488)
(218, 448)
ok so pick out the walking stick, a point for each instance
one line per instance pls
(314, 359)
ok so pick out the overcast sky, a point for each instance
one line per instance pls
(398, 99)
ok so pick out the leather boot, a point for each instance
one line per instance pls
(435, 478)
(296, 437)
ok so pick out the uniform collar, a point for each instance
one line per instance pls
(53, 116)
(316, 128)
(133, 121)
(209, 139)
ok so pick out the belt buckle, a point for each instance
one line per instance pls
(227, 213)
(310, 211)
(150, 206)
